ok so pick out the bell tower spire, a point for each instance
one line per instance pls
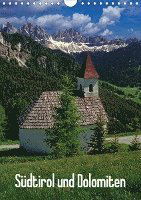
(87, 81)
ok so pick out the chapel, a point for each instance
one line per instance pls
(39, 116)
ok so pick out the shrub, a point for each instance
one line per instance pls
(130, 95)
(114, 146)
(135, 144)
(136, 123)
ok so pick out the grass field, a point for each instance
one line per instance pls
(132, 93)
(119, 165)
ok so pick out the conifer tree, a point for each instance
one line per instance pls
(64, 136)
(97, 139)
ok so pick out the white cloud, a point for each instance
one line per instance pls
(60, 22)
(80, 19)
(131, 30)
(110, 15)
(55, 22)
(80, 22)
(15, 20)
(107, 32)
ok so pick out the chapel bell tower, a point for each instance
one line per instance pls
(87, 81)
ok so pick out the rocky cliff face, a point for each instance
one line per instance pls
(8, 52)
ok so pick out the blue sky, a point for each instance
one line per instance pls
(112, 21)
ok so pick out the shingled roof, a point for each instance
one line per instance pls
(40, 114)
(88, 70)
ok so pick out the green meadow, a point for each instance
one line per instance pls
(124, 164)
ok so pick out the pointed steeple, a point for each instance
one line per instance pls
(88, 70)
(87, 81)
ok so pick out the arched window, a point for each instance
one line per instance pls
(90, 88)
(80, 88)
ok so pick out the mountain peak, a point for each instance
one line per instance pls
(70, 35)
(8, 28)
(35, 32)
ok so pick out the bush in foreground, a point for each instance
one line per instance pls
(135, 144)
(114, 146)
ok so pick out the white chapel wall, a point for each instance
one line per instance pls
(33, 140)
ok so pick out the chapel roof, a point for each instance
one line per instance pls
(88, 70)
(40, 114)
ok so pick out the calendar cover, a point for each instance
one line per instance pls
(70, 99)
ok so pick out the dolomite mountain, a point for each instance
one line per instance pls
(35, 32)
(68, 41)
(72, 47)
